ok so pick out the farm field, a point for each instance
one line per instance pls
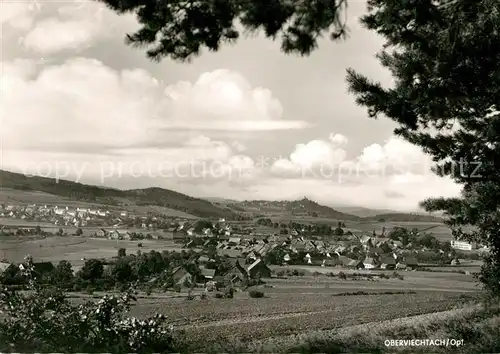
(74, 248)
(412, 281)
(23, 223)
(438, 230)
(20, 197)
(214, 321)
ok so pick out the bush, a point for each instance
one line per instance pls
(44, 320)
(89, 290)
(229, 293)
(149, 290)
(342, 276)
(177, 288)
(256, 294)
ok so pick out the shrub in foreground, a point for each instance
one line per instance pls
(44, 320)
(256, 294)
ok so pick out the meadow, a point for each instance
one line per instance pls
(75, 248)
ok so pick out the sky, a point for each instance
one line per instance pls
(247, 122)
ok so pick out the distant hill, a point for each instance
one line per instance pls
(303, 207)
(362, 212)
(403, 217)
(116, 197)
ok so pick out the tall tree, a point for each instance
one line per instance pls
(441, 53)
(443, 56)
(179, 29)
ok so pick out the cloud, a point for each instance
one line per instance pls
(380, 172)
(224, 100)
(18, 15)
(338, 139)
(82, 101)
(76, 26)
(394, 157)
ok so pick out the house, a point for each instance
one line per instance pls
(455, 262)
(114, 235)
(462, 245)
(4, 266)
(369, 263)
(349, 262)
(329, 263)
(236, 273)
(259, 269)
(207, 232)
(252, 256)
(179, 234)
(366, 240)
(208, 274)
(411, 261)
(388, 263)
(397, 244)
(101, 233)
(58, 211)
(235, 240)
(203, 260)
(181, 275)
(380, 241)
(127, 236)
(376, 250)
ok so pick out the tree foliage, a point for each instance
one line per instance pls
(445, 99)
(179, 29)
(44, 320)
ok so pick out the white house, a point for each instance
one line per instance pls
(92, 211)
(462, 245)
(58, 211)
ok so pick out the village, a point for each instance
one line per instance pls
(251, 248)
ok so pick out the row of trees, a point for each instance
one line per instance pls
(126, 269)
(43, 319)
(304, 229)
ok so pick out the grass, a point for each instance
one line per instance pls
(73, 248)
(475, 331)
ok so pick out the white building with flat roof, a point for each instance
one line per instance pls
(462, 245)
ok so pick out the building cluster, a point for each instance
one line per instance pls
(81, 217)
